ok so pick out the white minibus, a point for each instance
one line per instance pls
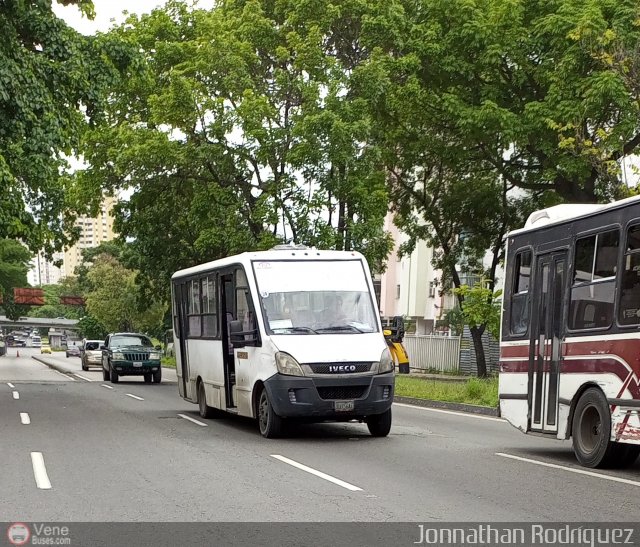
(281, 336)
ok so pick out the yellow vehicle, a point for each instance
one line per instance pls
(45, 349)
(394, 336)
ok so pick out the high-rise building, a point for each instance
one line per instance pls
(93, 231)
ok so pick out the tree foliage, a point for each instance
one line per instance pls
(114, 301)
(481, 307)
(52, 82)
(239, 132)
(14, 265)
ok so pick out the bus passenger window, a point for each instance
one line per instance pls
(629, 308)
(520, 294)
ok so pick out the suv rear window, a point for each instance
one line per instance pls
(92, 345)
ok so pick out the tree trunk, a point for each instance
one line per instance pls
(481, 361)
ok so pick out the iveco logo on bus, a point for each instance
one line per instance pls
(342, 368)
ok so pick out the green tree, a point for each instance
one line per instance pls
(52, 307)
(481, 308)
(114, 298)
(543, 94)
(90, 328)
(52, 86)
(236, 133)
(14, 265)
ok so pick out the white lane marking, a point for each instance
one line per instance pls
(67, 377)
(83, 377)
(105, 385)
(40, 471)
(135, 397)
(465, 414)
(24, 418)
(317, 473)
(16, 395)
(571, 469)
(10, 385)
(192, 420)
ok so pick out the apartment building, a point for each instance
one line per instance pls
(411, 286)
(93, 231)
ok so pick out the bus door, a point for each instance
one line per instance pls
(547, 334)
(182, 328)
(228, 309)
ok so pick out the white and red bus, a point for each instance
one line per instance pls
(570, 342)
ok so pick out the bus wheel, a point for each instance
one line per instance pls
(205, 410)
(379, 424)
(269, 422)
(591, 430)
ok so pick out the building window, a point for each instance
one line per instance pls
(432, 289)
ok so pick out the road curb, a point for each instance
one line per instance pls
(459, 407)
(57, 367)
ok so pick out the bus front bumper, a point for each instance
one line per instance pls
(322, 398)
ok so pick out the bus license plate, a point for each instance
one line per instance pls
(343, 406)
(137, 364)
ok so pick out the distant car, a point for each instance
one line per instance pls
(91, 354)
(45, 350)
(73, 351)
(129, 354)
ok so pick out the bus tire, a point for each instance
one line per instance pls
(591, 430)
(204, 409)
(379, 424)
(269, 422)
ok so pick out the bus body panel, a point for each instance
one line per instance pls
(604, 353)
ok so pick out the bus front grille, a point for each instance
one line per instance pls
(341, 392)
(339, 368)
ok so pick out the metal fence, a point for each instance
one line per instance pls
(433, 353)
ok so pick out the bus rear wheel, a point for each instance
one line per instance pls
(379, 424)
(591, 430)
(270, 423)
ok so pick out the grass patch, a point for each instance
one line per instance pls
(169, 362)
(474, 391)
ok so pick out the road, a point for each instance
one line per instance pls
(138, 452)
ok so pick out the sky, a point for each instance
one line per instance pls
(109, 12)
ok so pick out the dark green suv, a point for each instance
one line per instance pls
(131, 354)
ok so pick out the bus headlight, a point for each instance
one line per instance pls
(386, 362)
(288, 365)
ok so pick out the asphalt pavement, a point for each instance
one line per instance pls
(75, 448)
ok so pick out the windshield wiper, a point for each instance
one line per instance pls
(296, 329)
(340, 328)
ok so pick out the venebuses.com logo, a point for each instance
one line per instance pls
(18, 533)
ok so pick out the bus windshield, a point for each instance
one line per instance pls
(315, 297)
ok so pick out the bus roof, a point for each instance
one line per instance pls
(293, 253)
(568, 212)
